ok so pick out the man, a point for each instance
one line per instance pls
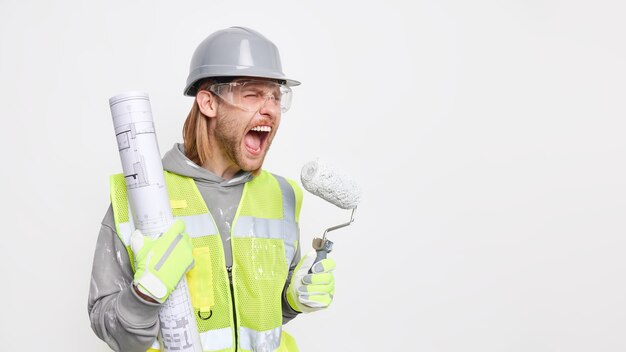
(247, 277)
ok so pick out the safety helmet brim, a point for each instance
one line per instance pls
(219, 73)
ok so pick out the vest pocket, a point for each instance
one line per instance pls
(212, 288)
(200, 280)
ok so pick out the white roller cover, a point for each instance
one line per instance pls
(323, 181)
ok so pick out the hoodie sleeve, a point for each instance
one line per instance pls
(118, 315)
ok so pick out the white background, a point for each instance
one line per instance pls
(488, 137)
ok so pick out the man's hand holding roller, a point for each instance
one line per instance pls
(161, 263)
(310, 292)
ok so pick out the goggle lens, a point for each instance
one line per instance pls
(251, 95)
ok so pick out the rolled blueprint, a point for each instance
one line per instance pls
(150, 207)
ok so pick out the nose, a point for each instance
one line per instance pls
(273, 105)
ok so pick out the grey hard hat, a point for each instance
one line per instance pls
(235, 52)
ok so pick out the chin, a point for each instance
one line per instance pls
(253, 166)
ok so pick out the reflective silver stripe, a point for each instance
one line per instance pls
(290, 252)
(125, 230)
(289, 217)
(195, 226)
(167, 253)
(215, 340)
(249, 226)
(289, 199)
(199, 225)
(252, 340)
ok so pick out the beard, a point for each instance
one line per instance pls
(229, 131)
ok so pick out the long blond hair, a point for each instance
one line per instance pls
(196, 132)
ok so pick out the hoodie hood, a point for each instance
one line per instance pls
(175, 161)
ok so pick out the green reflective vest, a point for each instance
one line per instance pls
(246, 316)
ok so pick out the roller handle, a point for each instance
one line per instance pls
(322, 247)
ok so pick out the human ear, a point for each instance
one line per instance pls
(207, 103)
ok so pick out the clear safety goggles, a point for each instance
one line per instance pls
(250, 94)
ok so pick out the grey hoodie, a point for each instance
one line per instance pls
(121, 318)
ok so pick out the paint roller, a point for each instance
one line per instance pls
(323, 181)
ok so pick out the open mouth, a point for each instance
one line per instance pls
(255, 139)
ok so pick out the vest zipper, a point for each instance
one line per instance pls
(229, 269)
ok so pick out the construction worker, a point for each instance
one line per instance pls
(241, 257)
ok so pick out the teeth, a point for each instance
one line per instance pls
(262, 129)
